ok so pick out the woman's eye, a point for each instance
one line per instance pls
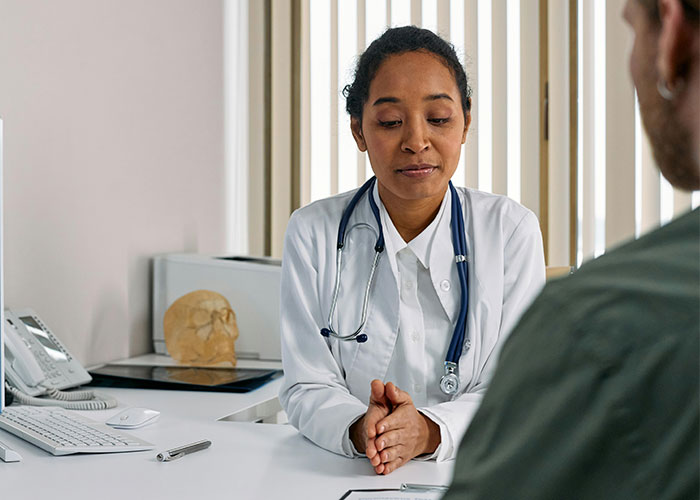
(438, 121)
(390, 123)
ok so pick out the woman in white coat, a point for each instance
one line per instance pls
(378, 392)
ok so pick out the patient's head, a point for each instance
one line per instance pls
(665, 64)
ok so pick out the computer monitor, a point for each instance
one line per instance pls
(2, 291)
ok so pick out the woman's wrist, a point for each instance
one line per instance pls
(357, 436)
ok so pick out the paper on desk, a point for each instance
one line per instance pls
(392, 495)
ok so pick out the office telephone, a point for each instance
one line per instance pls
(38, 366)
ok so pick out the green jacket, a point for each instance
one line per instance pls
(596, 392)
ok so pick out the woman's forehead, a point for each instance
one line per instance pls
(412, 74)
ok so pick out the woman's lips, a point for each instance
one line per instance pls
(417, 171)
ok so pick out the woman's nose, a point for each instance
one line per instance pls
(415, 137)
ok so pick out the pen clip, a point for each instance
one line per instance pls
(167, 457)
(170, 458)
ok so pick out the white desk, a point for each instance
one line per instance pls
(245, 461)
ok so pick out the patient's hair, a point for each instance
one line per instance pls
(398, 41)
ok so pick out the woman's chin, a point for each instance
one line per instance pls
(418, 189)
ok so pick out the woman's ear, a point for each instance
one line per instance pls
(467, 122)
(356, 128)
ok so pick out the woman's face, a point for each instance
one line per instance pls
(412, 127)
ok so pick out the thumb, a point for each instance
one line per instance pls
(396, 396)
(378, 393)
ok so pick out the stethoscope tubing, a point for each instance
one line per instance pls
(357, 335)
(450, 382)
(461, 260)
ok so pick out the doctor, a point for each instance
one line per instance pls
(390, 356)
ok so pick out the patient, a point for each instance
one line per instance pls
(596, 393)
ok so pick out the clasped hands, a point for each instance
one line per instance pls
(392, 431)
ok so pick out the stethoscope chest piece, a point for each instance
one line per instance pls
(449, 383)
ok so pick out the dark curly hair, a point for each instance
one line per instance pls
(398, 41)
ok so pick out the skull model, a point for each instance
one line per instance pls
(200, 329)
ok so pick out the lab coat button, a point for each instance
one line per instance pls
(415, 336)
(445, 285)
(408, 285)
(417, 387)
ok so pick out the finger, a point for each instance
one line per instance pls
(396, 396)
(379, 469)
(374, 414)
(392, 466)
(391, 422)
(387, 440)
(372, 452)
(391, 454)
(375, 460)
(377, 392)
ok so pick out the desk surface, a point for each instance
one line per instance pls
(246, 461)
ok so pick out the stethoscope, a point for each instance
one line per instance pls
(449, 383)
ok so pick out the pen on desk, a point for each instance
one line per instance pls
(422, 487)
(175, 453)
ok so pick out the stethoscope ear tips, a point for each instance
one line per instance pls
(361, 338)
(325, 332)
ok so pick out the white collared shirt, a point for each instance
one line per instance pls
(425, 328)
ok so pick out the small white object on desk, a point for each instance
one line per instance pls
(131, 418)
(7, 454)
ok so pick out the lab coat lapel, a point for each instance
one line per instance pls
(471, 363)
(442, 265)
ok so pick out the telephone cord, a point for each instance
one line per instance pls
(95, 402)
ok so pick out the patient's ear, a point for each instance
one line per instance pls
(356, 128)
(675, 43)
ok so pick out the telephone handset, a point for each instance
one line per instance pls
(38, 364)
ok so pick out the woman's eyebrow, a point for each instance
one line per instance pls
(435, 97)
(431, 97)
(382, 100)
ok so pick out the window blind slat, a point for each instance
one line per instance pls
(334, 96)
(529, 108)
(305, 106)
(587, 141)
(361, 34)
(416, 12)
(619, 116)
(499, 107)
(559, 127)
(471, 147)
(443, 18)
(400, 13)
(320, 43)
(682, 201)
(651, 192)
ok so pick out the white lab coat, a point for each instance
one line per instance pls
(326, 381)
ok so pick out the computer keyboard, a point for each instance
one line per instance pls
(61, 432)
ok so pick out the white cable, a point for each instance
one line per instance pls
(96, 402)
(68, 396)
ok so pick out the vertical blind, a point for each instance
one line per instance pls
(619, 193)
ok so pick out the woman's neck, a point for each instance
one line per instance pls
(410, 217)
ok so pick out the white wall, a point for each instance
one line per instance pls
(113, 117)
